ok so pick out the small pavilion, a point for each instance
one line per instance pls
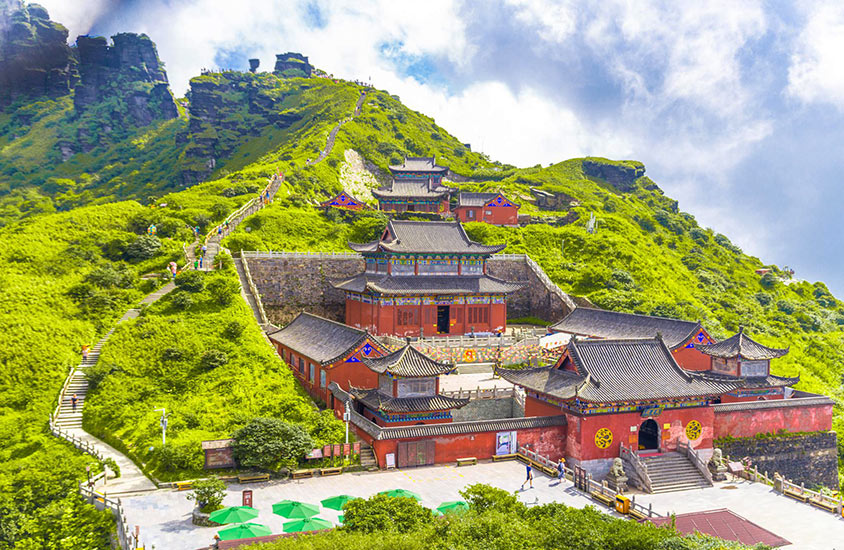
(408, 390)
(492, 208)
(416, 186)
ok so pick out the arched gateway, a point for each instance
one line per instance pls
(649, 435)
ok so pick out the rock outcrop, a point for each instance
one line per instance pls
(35, 59)
(129, 67)
(621, 175)
(225, 108)
(292, 64)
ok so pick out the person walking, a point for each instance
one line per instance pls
(84, 352)
(200, 260)
(195, 265)
(73, 400)
(561, 471)
(529, 477)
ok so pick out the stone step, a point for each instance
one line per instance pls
(681, 487)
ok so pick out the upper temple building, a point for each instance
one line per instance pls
(416, 187)
(424, 279)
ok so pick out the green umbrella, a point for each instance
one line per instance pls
(341, 518)
(337, 503)
(234, 514)
(453, 507)
(401, 493)
(294, 509)
(244, 531)
(307, 524)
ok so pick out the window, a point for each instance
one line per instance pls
(754, 368)
(489, 212)
(370, 265)
(410, 387)
(470, 214)
(438, 267)
(385, 384)
(312, 376)
(472, 267)
(459, 315)
(301, 365)
(429, 315)
(478, 314)
(406, 317)
(381, 265)
(321, 378)
(403, 267)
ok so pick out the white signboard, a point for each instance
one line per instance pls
(391, 460)
(553, 341)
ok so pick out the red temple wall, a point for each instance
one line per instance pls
(535, 407)
(691, 359)
(382, 319)
(547, 441)
(500, 215)
(748, 423)
(620, 424)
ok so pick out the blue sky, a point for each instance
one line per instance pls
(736, 108)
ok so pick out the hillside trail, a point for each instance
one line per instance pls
(332, 135)
(66, 421)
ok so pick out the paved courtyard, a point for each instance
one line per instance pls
(164, 516)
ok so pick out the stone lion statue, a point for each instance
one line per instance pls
(617, 469)
(717, 458)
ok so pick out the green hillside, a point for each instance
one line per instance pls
(72, 252)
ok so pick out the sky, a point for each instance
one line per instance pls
(736, 108)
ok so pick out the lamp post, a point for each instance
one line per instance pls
(347, 416)
(163, 422)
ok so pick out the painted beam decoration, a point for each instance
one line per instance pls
(500, 201)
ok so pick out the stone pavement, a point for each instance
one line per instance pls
(164, 516)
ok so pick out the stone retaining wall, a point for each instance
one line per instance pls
(804, 458)
(488, 409)
(293, 283)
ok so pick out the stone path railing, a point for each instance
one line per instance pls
(332, 135)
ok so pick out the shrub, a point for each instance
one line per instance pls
(208, 494)
(182, 301)
(172, 354)
(233, 330)
(223, 289)
(763, 298)
(482, 498)
(107, 276)
(191, 281)
(268, 442)
(381, 513)
(213, 359)
(769, 280)
(143, 248)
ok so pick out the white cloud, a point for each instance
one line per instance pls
(555, 20)
(816, 73)
(76, 15)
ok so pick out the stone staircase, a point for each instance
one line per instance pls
(367, 457)
(78, 385)
(332, 135)
(671, 472)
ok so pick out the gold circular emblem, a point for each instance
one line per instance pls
(603, 438)
(693, 430)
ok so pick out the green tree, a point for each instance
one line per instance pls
(269, 442)
(381, 513)
(208, 494)
(191, 281)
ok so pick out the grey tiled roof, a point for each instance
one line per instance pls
(620, 370)
(741, 345)
(477, 199)
(422, 284)
(419, 164)
(412, 190)
(378, 401)
(318, 338)
(418, 237)
(446, 428)
(774, 403)
(407, 362)
(599, 323)
(769, 381)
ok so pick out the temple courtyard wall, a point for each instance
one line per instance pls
(290, 283)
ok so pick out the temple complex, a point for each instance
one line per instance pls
(426, 278)
(492, 208)
(416, 186)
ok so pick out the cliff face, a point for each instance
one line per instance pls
(35, 59)
(131, 68)
(225, 108)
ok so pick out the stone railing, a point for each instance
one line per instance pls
(480, 393)
(254, 291)
(540, 274)
(125, 538)
(685, 449)
(80, 444)
(639, 468)
(283, 254)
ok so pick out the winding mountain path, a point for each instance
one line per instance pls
(332, 135)
(66, 421)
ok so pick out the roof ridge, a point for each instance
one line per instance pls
(632, 314)
(309, 314)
